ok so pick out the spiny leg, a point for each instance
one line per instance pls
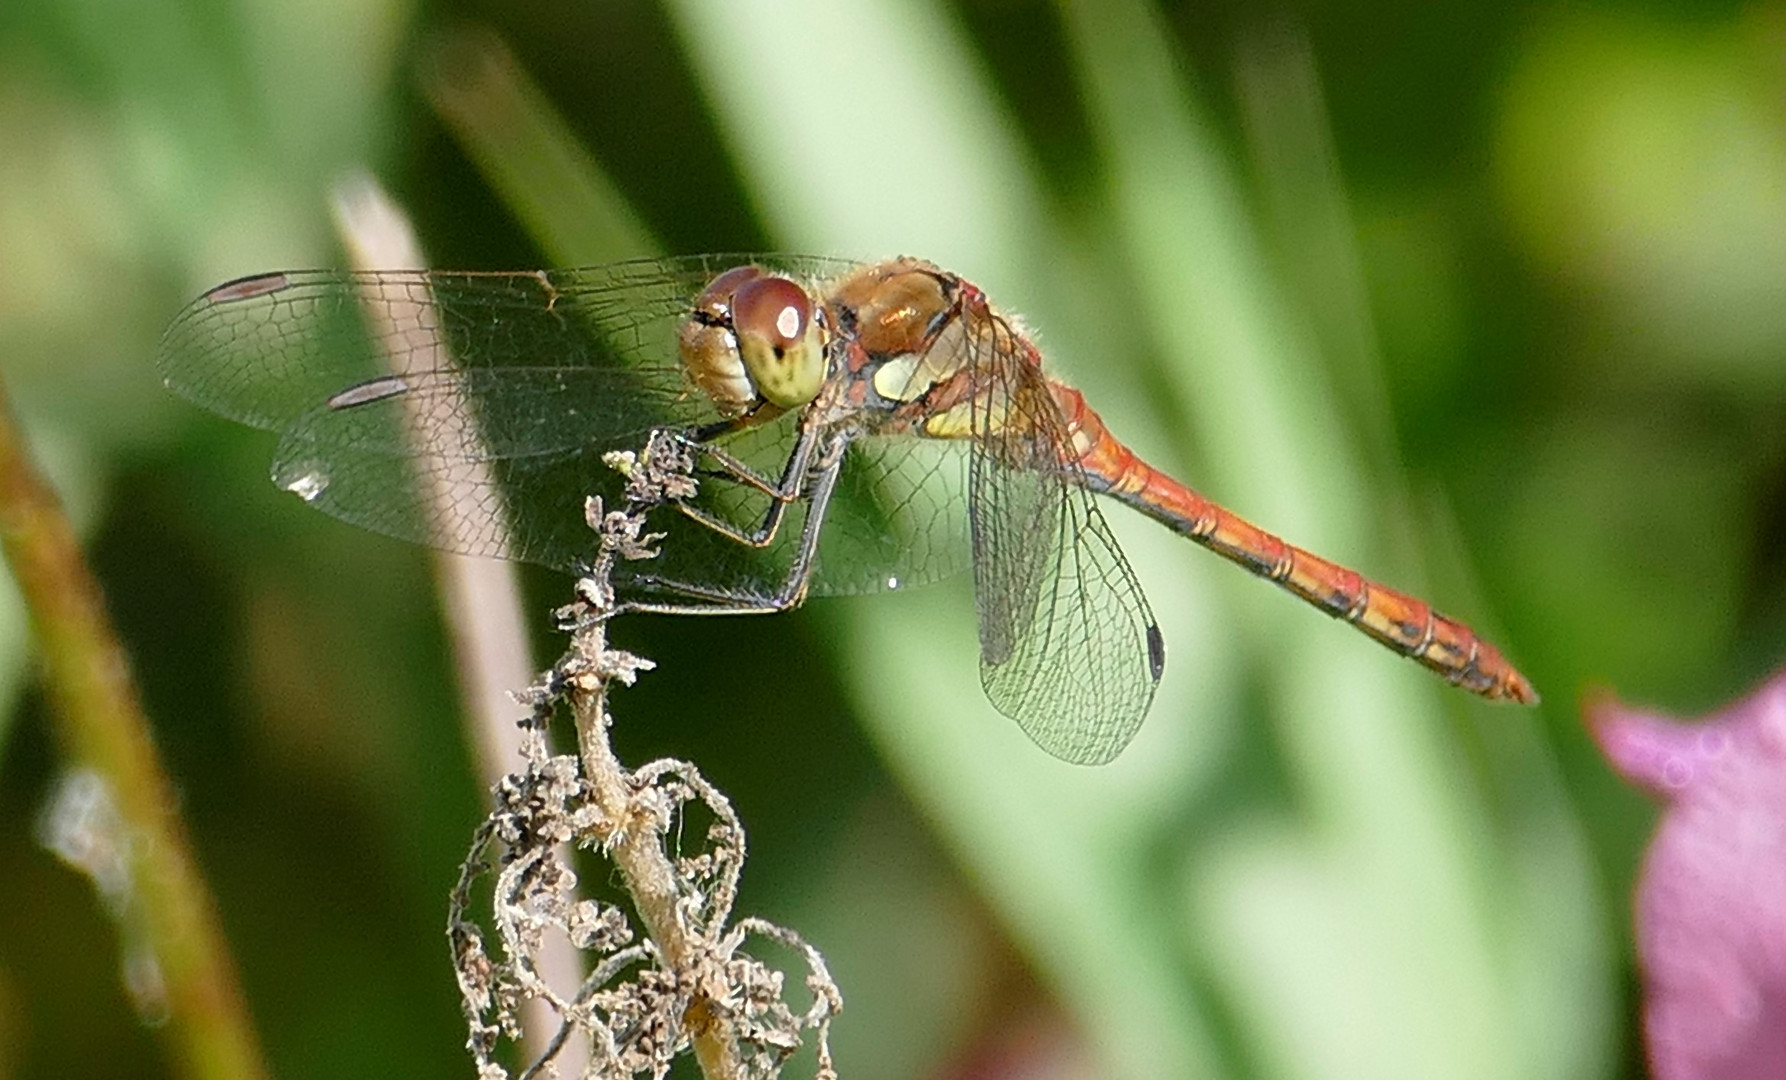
(791, 593)
(781, 494)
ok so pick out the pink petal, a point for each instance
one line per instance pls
(1711, 899)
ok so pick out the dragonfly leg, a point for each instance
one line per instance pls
(702, 601)
(703, 441)
(782, 493)
(708, 600)
(733, 468)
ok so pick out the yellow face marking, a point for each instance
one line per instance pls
(788, 375)
(779, 340)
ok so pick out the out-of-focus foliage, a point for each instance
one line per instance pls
(1484, 299)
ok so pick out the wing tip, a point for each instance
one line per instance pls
(247, 288)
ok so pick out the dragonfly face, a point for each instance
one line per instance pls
(753, 337)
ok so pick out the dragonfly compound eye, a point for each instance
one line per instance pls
(779, 340)
(709, 348)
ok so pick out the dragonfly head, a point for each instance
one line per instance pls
(779, 340)
(755, 337)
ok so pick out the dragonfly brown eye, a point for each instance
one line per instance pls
(779, 340)
(716, 298)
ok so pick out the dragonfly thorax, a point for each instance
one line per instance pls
(754, 337)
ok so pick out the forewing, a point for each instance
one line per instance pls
(468, 411)
(1068, 646)
(474, 461)
(269, 349)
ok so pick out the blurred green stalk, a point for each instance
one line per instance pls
(101, 726)
(528, 154)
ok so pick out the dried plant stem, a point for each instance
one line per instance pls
(101, 727)
(690, 981)
(634, 844)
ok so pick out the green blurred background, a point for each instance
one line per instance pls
(1488, 300)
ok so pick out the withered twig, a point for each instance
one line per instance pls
(691, 985)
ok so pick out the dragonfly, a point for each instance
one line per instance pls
(860, 427)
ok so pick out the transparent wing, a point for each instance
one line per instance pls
(267, 350)
(1068, 646)
(457, 461)
(470, 412)
(467, 411)
(898, 519)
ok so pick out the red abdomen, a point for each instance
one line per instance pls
(1405, 624)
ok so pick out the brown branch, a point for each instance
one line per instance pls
(101, 727)
(632, 838)
(689, 983)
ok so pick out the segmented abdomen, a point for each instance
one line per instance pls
(1405, 624)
